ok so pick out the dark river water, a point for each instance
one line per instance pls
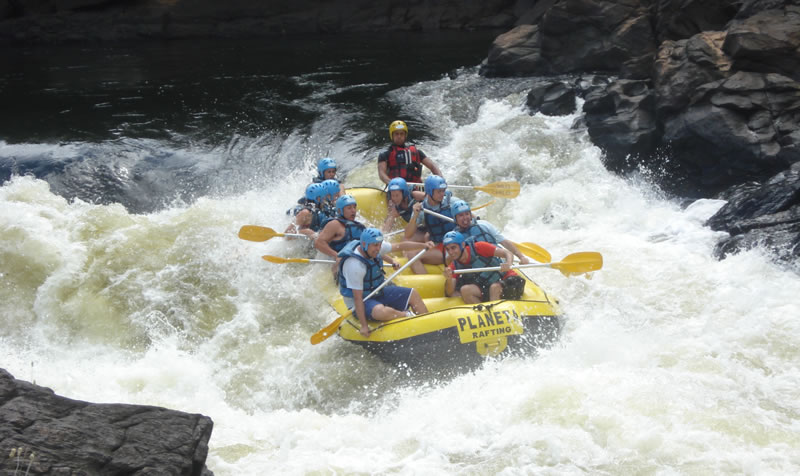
(141, 124)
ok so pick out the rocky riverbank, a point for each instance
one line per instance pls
(704, 96)
(42, 433)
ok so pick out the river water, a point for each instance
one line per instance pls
(127, 172)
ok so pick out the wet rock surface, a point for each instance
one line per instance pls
(42, 433)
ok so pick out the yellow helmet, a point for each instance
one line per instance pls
(397, 126)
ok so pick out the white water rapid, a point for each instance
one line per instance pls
(671, 362)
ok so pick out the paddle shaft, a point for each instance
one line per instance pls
(497, 268)
(575, 263)
(497, 189)
(279, 260)
(437, 215)
(328, 330)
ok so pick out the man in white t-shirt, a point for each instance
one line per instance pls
(361, 272)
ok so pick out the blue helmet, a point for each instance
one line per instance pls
(399, 183)
(315, 192)
(331, 186)
(454, 237)
(434, 182)
(344, 201)
(325, 164)
(370, 236)
(459, 206)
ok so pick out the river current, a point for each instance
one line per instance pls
(127, 171)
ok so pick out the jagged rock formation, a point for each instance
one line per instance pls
(42, 433)
(705, 92)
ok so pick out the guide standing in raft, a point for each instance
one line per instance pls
(401, 160)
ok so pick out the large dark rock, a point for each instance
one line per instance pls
(767, 41)
(552, 99)
(765, 214)
(621, 120)
(744, 127)
(53, 435)
(578, 36)
(716, 105)
(680, 19)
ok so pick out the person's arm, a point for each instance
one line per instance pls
(360, 311)
(411, 228)
(427, 162)
(510, 246)
(503, 253)
(303, 221)
(418, 195)
(412, 245)
(326, 235)
(449, 282)
(391, 217)
(383, 171)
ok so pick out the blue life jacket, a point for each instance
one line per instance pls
(435, 225)
(484, 279)
(352, 231)
(406, 212)
(478, 232)
(372, 279)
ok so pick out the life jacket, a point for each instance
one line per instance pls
(406, 212)
(319, 217)
(404, 161)
(435, 225)
(484, 279)
(352, 231)
(372, 279)
(477, 232)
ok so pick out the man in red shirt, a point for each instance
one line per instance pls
(485, 286)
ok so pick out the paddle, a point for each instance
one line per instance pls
(532, 250)
(496, 189)
(279, 260)
(263, 233)
(575, 263)
(328, 330)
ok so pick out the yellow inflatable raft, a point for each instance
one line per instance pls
(452, 333)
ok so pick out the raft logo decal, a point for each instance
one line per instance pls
(483, 325)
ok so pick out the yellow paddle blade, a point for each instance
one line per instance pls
(257, 233)
(579, 263)
(500, 189)
(279, 260)
(532, 250)
(482, 206)
(328, 330)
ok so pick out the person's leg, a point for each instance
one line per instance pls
(416, 267)
(416, 303)
(471, 294)
(386, 313)
(495, 291)
(391, 304)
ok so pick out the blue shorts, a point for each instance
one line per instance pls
(395, 297)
